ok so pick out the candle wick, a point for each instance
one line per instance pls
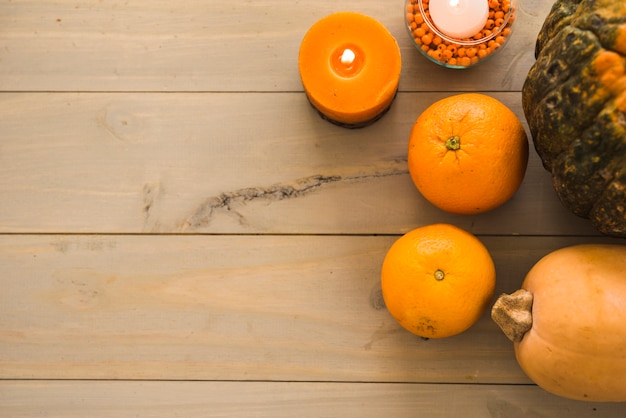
(348, 56)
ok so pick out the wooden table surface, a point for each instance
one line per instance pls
(182, 236)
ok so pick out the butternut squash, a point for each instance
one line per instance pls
(568, 322)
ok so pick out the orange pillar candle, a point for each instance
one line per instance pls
(350, 68)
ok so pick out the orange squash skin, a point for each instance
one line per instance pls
(576, 347)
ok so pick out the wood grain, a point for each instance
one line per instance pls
(297, 308)
(209, 45)
(182, 235)
(172, 163)
(286, 399)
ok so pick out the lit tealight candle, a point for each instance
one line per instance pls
(350, 68)
(459, 18)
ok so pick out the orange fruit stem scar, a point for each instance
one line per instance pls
(453, 143)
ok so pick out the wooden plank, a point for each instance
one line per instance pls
(212, 45)
(230, 163)
(22, 399)
(293, 308)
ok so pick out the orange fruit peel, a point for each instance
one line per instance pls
(437, 280)
(468, 153)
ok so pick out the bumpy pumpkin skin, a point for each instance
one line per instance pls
(574, 99)
(576, 347)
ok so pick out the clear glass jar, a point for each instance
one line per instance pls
(455, 52)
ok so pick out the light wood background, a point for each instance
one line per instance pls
(182, 236)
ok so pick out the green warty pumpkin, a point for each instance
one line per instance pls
(574, 99)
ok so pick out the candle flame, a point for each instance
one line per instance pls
(348, 56)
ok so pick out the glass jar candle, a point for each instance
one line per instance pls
(459, 33)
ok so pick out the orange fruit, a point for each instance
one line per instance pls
(437, 280)
(468, 153)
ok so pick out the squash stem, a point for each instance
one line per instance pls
(513, 314)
